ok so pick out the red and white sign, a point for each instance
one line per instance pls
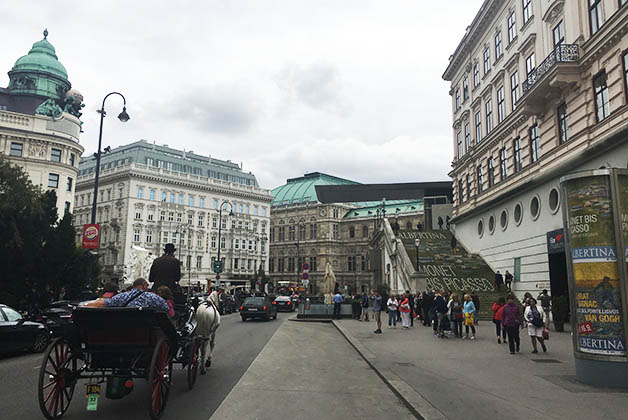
(91, 236)
(306, 276)
(306, 267)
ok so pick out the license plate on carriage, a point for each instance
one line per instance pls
(92, 392)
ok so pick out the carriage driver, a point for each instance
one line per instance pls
(136, 297)
(166, 270)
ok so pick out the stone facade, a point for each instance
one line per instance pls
(142, 207)
(318, 233)
(47, 149)
(538, 90)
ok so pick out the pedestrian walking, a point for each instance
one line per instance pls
(392, 306)
(455, 314)
(454, 244)
(509, 278)
(499, 281)
(526, 298)
(441, 321)
(418, 304)
(411, 302)
(512, 321)
(337, 304)
(546, 303)
(469, 311)
(498, 308)
(440, 223)
(536, 322)
(405, 309)
(476, 302)
(419, 227)
(364, 302)
(377, 311)
(448, 222)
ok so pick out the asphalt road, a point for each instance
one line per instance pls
(237, 345)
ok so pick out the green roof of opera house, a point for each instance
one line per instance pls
(42, 58)
(303, 189)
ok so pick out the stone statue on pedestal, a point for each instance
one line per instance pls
(329, 284)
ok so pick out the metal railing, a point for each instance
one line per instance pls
(564, 53)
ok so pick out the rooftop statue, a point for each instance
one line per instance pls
(50, 108)
(73, 103)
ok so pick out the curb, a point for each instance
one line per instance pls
(415, 402)
(323, 320)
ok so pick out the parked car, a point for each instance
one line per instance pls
(16, 333)
(284, 303)
(258, 307)
(57, 317)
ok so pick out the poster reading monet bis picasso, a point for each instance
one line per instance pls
(594, 256)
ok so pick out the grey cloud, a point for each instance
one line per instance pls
(318, 86)
(222, 111)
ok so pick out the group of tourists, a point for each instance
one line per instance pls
(509, 319)
(448, 312)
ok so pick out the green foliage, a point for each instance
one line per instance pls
(36, 252)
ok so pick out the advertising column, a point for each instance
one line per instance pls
(596, 285)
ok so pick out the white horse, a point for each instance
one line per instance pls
(208, 321)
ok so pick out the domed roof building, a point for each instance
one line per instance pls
(39, 122)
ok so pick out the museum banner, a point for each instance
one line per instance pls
(622, 188)
(596, 279)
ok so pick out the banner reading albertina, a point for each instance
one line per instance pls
(598, 311)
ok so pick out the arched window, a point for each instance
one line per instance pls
(365, 231)
(351, 232)
(409, 225)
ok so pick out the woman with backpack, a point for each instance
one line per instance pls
(498, 309)
(536, 323)
(455, 314)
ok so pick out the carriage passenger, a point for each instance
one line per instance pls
(137, 297)
(166, 294)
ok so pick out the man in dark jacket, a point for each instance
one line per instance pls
(428, 303)
(166, 270)
(499, 281)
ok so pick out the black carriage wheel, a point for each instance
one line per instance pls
(193, 361)
(56, 381)
(159, 378)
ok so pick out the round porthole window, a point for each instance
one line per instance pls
(535, 207)
(554, 202)
(491, 224)
(480, 228)
(503, 219)
(518, 213)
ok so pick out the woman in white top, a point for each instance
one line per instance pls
(536, 322)
(393, 305)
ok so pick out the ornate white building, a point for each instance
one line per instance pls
(39, 125)
(151, 195)
(539, 90)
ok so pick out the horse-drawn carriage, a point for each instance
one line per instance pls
(116, 346)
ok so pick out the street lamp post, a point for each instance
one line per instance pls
(220, 225)
(124, 117)
(417, 244)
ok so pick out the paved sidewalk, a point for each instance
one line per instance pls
(310, 371)
(457, 378)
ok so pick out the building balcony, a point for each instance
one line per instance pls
(559, 71)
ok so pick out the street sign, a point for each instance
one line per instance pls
(91, 236)
(217, 266)
(306, 276)
(306, 267)
(217, 276)
(306, 283)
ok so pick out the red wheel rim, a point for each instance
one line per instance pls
(56, 394)
(160, 379)
(193, 366)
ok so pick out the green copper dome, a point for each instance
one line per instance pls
(39, 72)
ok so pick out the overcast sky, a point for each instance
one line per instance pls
(349, 88)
